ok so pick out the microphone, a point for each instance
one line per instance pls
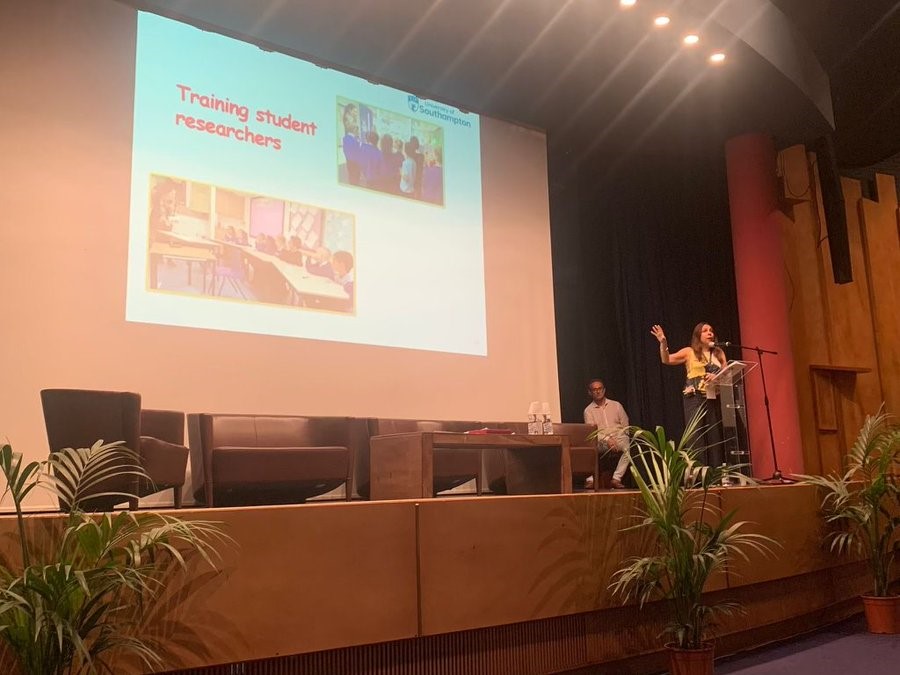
(719, 344)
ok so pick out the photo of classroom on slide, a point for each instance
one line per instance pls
(212, 241)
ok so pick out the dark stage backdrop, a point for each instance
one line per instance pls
(648, 243)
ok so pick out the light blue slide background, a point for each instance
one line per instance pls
(419, 267)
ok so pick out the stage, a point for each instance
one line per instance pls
(473, 584)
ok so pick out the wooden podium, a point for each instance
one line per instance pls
(401, 465)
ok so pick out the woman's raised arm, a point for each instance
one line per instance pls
(676, 359)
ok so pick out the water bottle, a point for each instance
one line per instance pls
(534, 424)
(546, 423)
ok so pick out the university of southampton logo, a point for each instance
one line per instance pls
(436, 110)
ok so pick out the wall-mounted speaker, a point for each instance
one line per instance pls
(835, 213)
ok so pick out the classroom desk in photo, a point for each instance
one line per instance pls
(300, 283)
(188, 239)
(304, 288)
(191, 254)
(401, 465)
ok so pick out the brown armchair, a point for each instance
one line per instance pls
(77, 418)
(252, 459)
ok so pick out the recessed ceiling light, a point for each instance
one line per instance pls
(717, 57)
(627, 3)
(691, 39)
(661, 21)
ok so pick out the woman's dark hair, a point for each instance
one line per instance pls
(696, 345)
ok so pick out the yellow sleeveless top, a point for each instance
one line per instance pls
(697, 368)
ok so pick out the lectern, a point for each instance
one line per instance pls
(729, 384)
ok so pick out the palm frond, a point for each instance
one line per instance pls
(861, 504)
(691, 538)
(76, 609)
(76, 473)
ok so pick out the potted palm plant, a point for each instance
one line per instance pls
(691, 539)
(71, 602)
(863, 505)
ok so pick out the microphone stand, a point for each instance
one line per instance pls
(777, 477)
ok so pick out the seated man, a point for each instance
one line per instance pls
(611, 421)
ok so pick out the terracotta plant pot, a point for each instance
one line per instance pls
(882, 614)
(691, 661)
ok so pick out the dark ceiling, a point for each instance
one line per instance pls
(858, 43)
(598, 78)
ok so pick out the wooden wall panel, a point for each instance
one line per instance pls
(823, 259)
(839, 332)
(824, 400)
(831, 450)
(805, 275)
(851, 332)
(881, 227)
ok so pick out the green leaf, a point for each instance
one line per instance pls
(689, 537)
(861, 504)
(70, 610)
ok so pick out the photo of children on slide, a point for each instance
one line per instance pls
(385, 151)
(211, 241)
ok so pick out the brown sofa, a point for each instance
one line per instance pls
(241, 459)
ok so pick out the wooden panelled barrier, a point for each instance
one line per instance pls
(882, 255)
(468, 585)
(845, 337)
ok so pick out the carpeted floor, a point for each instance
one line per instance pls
(843, 649)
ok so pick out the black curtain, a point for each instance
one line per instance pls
(648, 242)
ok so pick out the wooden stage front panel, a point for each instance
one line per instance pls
(316, 577)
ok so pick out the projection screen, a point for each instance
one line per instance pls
(157, 242)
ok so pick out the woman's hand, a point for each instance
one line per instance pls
(658, 333)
